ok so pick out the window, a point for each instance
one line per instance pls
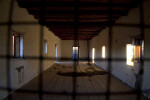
(138, 50)
(93, 54)
(17, 46)
(45, 46)
(129, 54)
(55, 52)
(103, 51)
(135, 52)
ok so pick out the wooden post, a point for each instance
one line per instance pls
(88, 51)
(78, 53)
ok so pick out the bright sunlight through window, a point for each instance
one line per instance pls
(129, 54)
(93, 54)
(103, 51)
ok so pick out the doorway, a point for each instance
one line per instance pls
(75, 53)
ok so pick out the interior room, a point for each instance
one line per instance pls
(74, 49)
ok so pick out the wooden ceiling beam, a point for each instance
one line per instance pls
(93, 15)
(72, 27)
(80, 20)
(85, 18)
(56, 23)
(77, 34)
(71, 16)
(52, 8)
(81, 34)
(100, 12)
(76, 38)
(33, 4)
(71, 33)
(73, 37)
(72, 30)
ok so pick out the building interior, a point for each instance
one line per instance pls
(74, 49)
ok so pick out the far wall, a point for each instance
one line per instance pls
(67, 45)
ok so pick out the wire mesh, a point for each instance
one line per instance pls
(76, 43)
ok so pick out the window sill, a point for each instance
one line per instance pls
(138, 61)
(17, 58)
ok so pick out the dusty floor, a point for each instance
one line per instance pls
(58, 83)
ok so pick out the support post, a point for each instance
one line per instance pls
(88, 51)
(78, 53)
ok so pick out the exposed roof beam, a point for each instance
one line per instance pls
(63, 34)
(80, 20)
(83, 12)
(73, 37)
(33, 4)
(53, 8)
(71, 16)
(55, 23)
(71, 33)
(61, 16)
(72, 30)
(84, 28)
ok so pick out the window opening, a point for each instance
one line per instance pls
(75, 53)
(93, 55)
(103, 51)
(18, 46)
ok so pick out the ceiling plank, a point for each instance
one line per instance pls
(58, 34)
(85, 33)
(80, 12)
(53, 8)
(33, 4)
(88, 17)
(56, 23)
(80, 20)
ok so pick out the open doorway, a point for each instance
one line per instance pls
(75, 53)
(55, 52)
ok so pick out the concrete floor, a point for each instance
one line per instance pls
(90, 83)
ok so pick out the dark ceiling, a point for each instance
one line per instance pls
(77, 19)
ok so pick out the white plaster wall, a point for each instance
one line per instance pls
(97, 43)
(4, 13)
(3, 61)
(121, 35)
(51, 41)
(146, 78)
(31, 42)
(66, 49)
(3, 46)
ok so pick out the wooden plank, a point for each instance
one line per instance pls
(83, 12)
(81, 87)
(33, 4)
(56, 23)
(90, 88)
(85, 84)
(51, 83)
(51, 73)
(65, 84)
